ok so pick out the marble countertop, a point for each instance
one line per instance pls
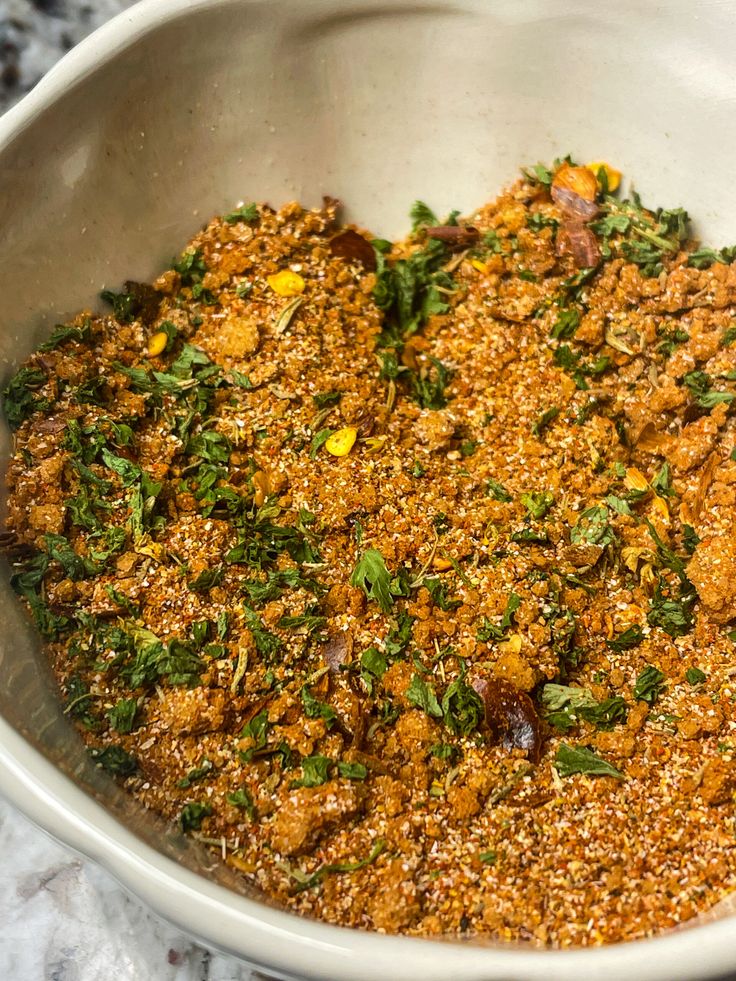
(63, 918)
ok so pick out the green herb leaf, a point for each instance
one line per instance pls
(539, 174)
(19, 396)
(399, 636)
(308, 621)
(566, 324)
(672, 613)
(537, 221)
(137, 301)
(498, 492)
(318, 441)
(373, 666)
(579, 759)
(699, 383)
(462, 708)
(267, 644)
(315, 771)
(428, 386)
(193, 814)
(408, 291)
(422, 694)
(206, 579)
(115, 761)
(695, 676)
(593, 528)
(690, 539)
(565, 706)
(196, 773)
(437, 589)
(246, 212)
(314, 709)
(537, 503)
(352, 771)
(422, 215)
(243, 799)
(619, 504)
(704, 258)
(191, 267)
(490, 631)
(372, 576)
(308, 882)
(649, 685)
(122, 714)
(257, 731)
(631, 637)
(63, 333)
(544, 420)
(324, 399)
(662, 482)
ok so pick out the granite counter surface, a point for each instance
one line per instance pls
(34, 34)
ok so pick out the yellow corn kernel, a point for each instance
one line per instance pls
(261, 488)
(440, 564)
(342, 441)
(479, 265)
(286, 283)
(635, 480)
(157, 343)
(613, 176)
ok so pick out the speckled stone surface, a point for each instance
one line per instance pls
(36, 33)
(65, 919)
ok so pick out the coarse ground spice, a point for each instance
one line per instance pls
(403, 577)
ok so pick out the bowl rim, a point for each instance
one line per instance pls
(263, 936)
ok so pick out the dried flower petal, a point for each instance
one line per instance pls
(510, 715)
(635, 480)
(337, 649)
(580, 243)
(613, 176)
(351, 246)
(578, 180)
(573, 206)
(261, 487)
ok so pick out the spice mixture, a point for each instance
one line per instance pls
(401, 574)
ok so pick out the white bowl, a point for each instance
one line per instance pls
(180, 108)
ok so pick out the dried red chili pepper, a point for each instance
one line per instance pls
(353, 247)
(510, 715)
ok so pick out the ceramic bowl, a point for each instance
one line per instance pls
(178, 109)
